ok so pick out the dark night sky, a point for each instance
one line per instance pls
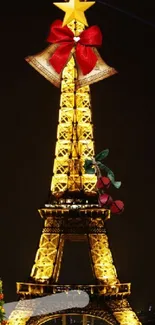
(123, 116)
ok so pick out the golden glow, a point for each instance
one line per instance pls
(127, 317)
(74, 10)
(74, 134)
(102, 259)
(124, 314)
(49, 254)
(45, 257)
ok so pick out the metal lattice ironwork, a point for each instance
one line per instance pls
(74, 134)
(105, 270)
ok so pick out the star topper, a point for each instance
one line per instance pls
(74, 9)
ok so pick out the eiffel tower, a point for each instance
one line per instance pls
(73, 213)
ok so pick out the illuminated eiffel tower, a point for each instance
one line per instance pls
(73, 213)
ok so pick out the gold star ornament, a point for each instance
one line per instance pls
(74, 10)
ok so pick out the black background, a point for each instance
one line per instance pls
(123, 116)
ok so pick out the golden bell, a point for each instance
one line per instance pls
(40, 62)
(100, 72)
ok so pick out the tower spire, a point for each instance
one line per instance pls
(75, 141)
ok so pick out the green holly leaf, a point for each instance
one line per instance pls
(88, 163)
(90, 171)
(102, 155)
(103, 167)
(88, 166)
(100, 165)
(112, 178)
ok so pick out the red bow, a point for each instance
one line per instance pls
(85, 56)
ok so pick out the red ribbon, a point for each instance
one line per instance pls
(85, 56)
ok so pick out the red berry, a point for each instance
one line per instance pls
(117, 207)
(105, 199)
(103, 182)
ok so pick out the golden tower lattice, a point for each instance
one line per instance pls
(74, 214)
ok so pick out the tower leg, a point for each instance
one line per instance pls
(50, 249)
(104, 268)
(123, 312)
(58, 259)
(22, 313)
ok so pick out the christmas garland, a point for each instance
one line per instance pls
(2, 311)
